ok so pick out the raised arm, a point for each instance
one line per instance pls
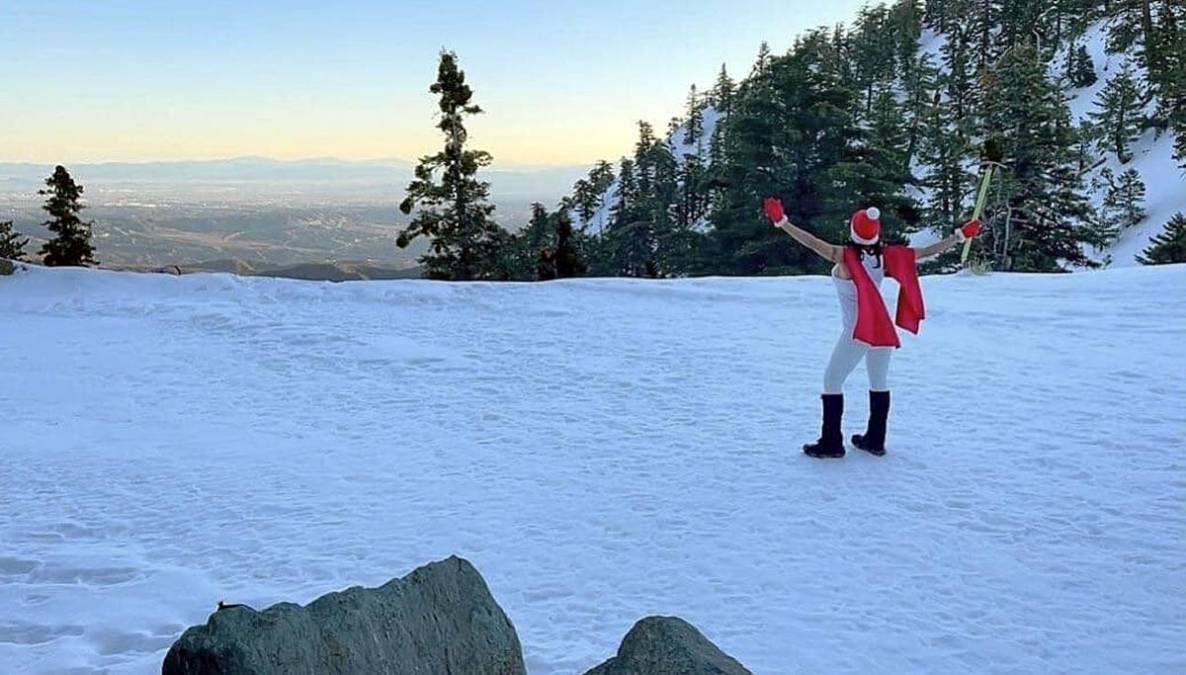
(773, 209)
(964, 232)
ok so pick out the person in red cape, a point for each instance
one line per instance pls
(869, 333)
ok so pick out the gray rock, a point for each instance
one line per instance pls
(6, 268)
(440, 618)
(668, 645)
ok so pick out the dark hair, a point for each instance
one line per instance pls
(870, 249)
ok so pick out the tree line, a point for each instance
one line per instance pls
(850, 117)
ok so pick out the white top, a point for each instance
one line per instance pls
(846, 289)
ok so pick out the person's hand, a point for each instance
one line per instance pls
(969, 229)
(773, 209)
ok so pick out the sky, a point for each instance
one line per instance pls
(561, 82)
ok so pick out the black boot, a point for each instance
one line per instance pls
(873, 440)
(831, 441)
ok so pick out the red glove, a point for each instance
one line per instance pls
(773, 208)
(969, 229)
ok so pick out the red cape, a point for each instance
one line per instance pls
(874, 327)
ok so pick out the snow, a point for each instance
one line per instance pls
(601, 450)
(1165, 181)
(1165, 193)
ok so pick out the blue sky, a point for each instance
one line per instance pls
(562, 82)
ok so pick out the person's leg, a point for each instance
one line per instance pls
(845, 357)
(877, 364)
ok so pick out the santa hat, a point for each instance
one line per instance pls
(865, 226)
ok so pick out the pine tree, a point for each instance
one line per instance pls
(722, 92)
(1169, 246)
(1180, 145)
(584, 200)
(958, 82)
(789, 126)
(695, 123)
(1170, 82)
(763, 60)
(1123, 204)
(944, 155)
(453, 210)
(874, 169)
(938, 14)
(921, 86)
(568, 258)
(1050, 217)
(71, 245)
(12, 244)
(1119, 113)
(1080, 68)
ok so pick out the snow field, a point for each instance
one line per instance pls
(601, 450)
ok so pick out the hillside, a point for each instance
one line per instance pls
(602, 450)
(1152, 146)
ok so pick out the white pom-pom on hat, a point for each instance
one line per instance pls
(873, 213)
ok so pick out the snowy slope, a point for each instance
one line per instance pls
(1153, 158)
(1165, 182)
(172, 441)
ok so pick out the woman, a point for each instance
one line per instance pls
(859, 267)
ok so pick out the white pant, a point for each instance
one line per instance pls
(845, 357)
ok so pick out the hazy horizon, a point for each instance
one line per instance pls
(562, 85)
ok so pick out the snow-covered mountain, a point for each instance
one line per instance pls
(1165, 182)
(169, 442)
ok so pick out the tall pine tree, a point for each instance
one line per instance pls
(1118, 114)
(1050, 215)
(71, 245)
(451, 203)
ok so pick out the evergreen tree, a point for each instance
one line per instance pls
(938, 14)
(695, 124)
(452, 210)
(958, 82)
(1080, 68)
(71, 245)
(921, 86)
(1170, 82)
(722, 92)
(763, 60)
(628, 247)
(1169, 246)
(789, 126)
(12, 244)
(874, 169)
(1119, 114)
(568, 259)
(1180, 144)
(1124, 200)
(1050, 217)
(945, 156)
(584, 200)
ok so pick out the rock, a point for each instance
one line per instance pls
(668, 645)
(440, 618)
(6, 268)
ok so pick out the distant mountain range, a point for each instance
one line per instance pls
(322, 176)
